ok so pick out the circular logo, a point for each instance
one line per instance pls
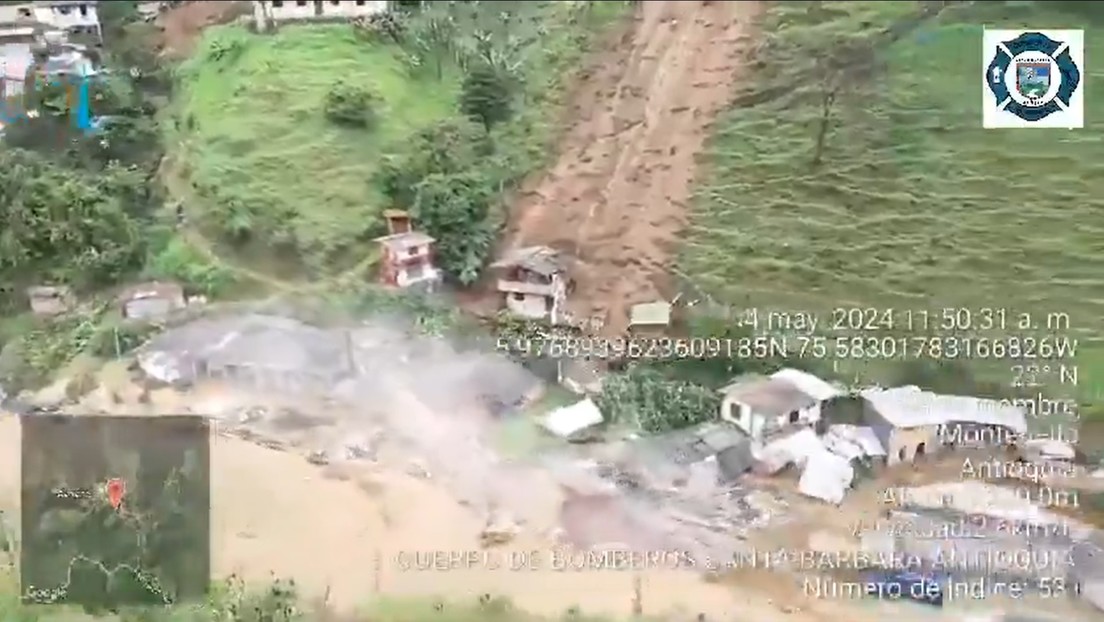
(1033, 76)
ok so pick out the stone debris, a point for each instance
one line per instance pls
(500, 529)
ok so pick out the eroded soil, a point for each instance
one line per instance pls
(616, 198)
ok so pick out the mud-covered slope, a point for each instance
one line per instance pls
(616, 196)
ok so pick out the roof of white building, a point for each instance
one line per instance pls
(781, 393)
(909, 407)
(405, 240)
(539, 259)
(809, 384)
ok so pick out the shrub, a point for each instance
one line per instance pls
(351, 105)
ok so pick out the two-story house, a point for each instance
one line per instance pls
(406, 256)
(534, 282)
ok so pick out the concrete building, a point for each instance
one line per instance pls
(276, 11)
(406, 255)
(77, 18)
(911, 422)
(787, 400)
(49, 300)
(650, 319)
(151, 301)
(534, 283)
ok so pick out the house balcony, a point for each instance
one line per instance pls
(524, 287)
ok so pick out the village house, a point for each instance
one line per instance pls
(534, 283)
(764, 408)
(317, 10)
(151, 301)
(406, 255)
(48, 300)
(911, 423)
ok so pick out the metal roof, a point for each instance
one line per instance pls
(909, 407)
(651, 314)
(539, 259)
(403, 241)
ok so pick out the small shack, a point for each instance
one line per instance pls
(151, 301)
(534, 282)
(650, 319)
(49, 300)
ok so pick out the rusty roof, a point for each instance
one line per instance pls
(539, 259)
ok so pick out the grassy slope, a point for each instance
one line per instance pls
(259, 139)
(915, 204)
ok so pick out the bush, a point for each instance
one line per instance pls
(644, 398)
(179, 261)
(351, 105)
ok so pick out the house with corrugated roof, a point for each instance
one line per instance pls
(765, 407)
(534, 282)
(911, 422)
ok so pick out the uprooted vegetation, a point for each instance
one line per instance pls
(282, 141)
(854, 171)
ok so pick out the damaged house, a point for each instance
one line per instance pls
(534, 282)
(911, 423)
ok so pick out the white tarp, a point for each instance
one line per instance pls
(826, 477)
(852, 441)
(1048, 449)
(792, 449)
(569, 420)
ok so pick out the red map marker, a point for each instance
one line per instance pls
(116, 488)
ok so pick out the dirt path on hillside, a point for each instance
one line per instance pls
(182, 26)
(617, 196)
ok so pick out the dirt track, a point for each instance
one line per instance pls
(617, 196)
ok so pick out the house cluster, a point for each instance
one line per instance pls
(51, 37)
(144, 302)
(795, 418)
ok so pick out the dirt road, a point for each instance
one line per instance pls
(617, 196)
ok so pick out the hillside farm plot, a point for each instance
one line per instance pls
(909, 202)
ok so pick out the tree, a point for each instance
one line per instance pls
(487, 94)
(66, 226)
(454, 209)
(433, 39)
(448, 147)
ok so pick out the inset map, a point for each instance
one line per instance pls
(115, 510)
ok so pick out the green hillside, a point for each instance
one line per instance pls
(911, 203)
(254, 156)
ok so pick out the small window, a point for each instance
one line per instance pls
(413, 250)
(300, 2)
(794, 416)
(517, 296)
(335, 2)
(24, 12)
(360, 2)
(276, 4)
(64, 10)
(83, 10)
